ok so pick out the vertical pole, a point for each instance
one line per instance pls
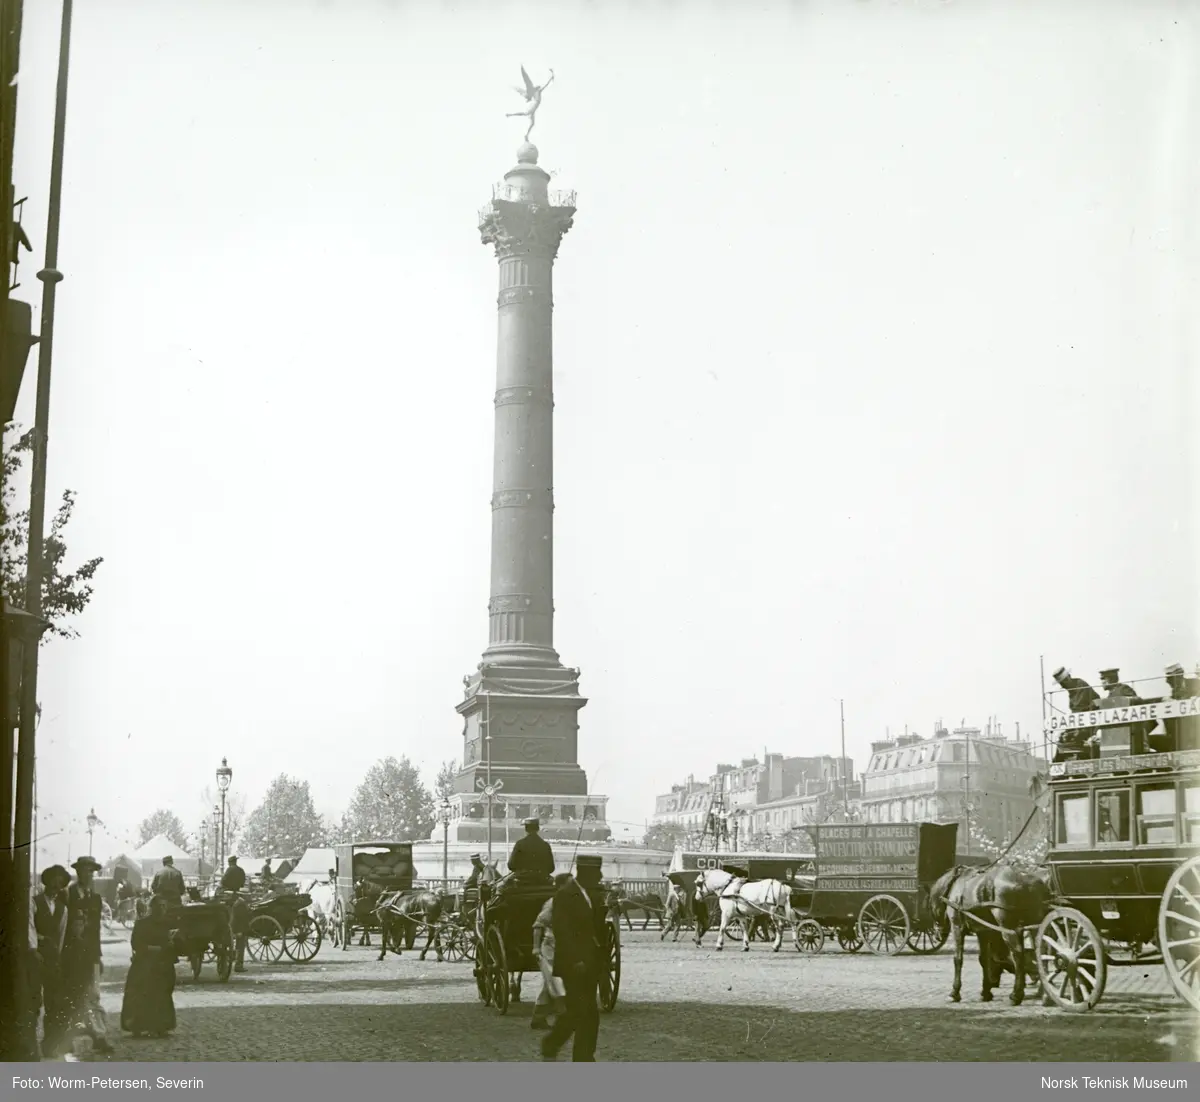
(845, 795)
(221, 849)
(487, 748)
(1045, 737)
(445, 853)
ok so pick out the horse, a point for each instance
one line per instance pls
(1004, 896)
(650, 905)
(320, 910)
(746, 899)
(399, 915)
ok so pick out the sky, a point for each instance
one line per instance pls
(874, 374)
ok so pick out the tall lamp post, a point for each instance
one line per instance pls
(224, 776)
(216, 826)
(443, 814)
(92, 823)
(485, 785)
(203, 842)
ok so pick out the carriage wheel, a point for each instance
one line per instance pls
(848, 939)
(808, 936)
(610, 981)
(482, 980)
(883, 925)
(302, 939)
(1070, 960)
(265, 940)
(929, 938)
(1179, 931)
(736, 929)
(495, 961)
(453, 944)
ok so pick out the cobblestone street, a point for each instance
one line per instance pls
(676, 1003)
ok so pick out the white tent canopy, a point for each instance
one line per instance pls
(313, 865)
(150, 856)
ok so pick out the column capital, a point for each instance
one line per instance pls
(524, 228)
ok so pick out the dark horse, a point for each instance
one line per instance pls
(1004, 896)
(400, 915)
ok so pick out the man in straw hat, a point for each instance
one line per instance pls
(578, 920)
(80, 961)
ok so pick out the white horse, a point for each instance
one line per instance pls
(320, 910)
(747, 899)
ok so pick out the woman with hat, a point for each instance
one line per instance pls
(81, 965)
(148, 1006)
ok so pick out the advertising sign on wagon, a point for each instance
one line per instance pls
(876, 857)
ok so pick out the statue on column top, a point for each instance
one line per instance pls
(533, 100)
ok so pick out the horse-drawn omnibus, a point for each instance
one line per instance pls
(365, 870)
(1124, 859)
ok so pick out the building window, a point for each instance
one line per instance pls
(1191, 812)
(1074, 825)
(1112, 817)
(959, 752)
(1156, 815)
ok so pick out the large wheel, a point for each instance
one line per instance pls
(883, 925)
(1070, 960)
(302, 939)
(736, 929)
(496, 963)
(848, 939)
(1179, 931)
(482, 983)
(809, 936)
(225, 963)
(929, 937)
(610, 980)
(265, 941)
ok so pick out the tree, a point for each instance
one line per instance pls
(65, 592)
(166, 823)
(443, 787)
(391, 803)
(285, 822)
(665, 836)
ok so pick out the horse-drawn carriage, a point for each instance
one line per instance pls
(204, 931)
(871, 887)
(503, 943)
(365, 872)
(280, 923)
(1125, 869)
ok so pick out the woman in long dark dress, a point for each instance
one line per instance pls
(148, 1006)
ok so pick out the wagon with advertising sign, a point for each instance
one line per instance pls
(1125, 844)
(870, 887)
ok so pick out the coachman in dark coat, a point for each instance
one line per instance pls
(579, 922)
(532, 858)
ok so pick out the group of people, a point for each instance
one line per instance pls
(569, 938)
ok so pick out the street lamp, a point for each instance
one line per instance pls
(443, 814)
(203, 841)
(92, 823)
(489, 789)
(224, 776)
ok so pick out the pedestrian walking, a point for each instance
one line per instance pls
(578, 920)
(81, 957)
(50, 926)
(552, 997)
(148, 1005)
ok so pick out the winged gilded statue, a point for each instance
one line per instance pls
(532, 94)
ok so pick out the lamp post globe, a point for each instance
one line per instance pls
(444, 814)
(92, 822)
(224, 777)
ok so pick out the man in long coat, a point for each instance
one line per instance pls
(50, 925)
(532, 858)
(80, 958)
(168, 883)
(579, 919)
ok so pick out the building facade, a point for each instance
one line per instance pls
(973, 777)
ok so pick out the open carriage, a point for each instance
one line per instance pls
(365, 871)
(503, 943)
(871, 887)
(279, 924)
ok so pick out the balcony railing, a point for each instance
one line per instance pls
(510, 193)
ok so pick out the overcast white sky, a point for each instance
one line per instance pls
(874, 368)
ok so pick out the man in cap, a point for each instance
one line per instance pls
(532, 859)
(80, 958)
(234, 879)
(477, 872)
(1182, 733)
(168, 883)
(579, 922)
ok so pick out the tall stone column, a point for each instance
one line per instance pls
(520, 709)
